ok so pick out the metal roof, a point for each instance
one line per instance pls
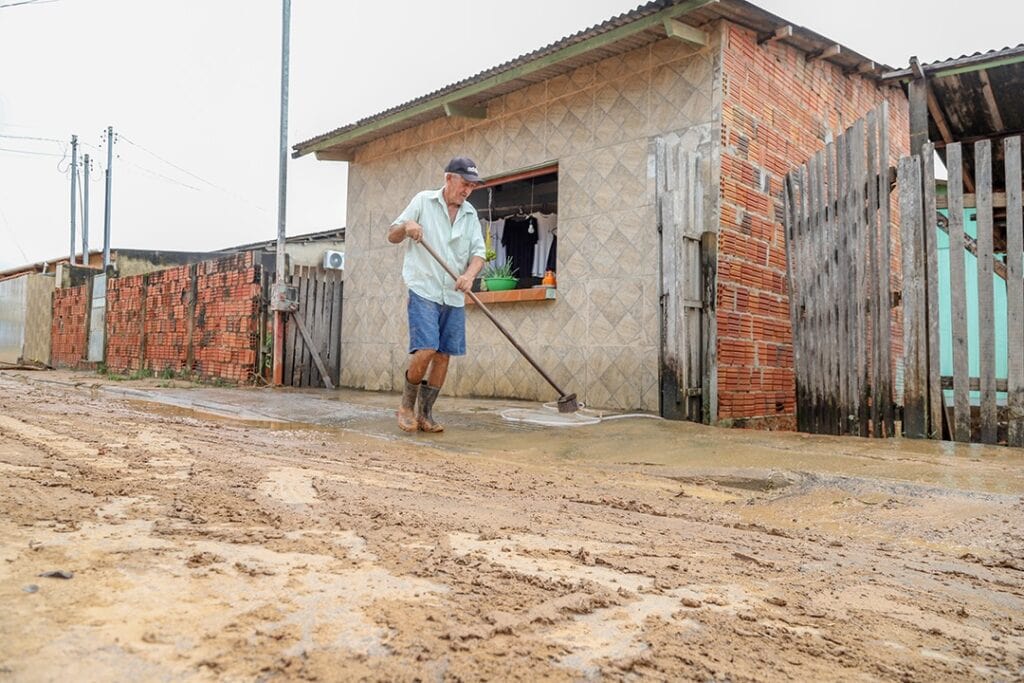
(620, 34)
(973, 97)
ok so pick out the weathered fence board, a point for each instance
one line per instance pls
(915, 351)
(986, 311)
(883, 296)
(931, 290)
(836, 213)
(961, 430)
(320, 296)
(1014, 293)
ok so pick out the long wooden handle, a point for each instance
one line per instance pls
(494, 320)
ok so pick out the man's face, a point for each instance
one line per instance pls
(458, 187)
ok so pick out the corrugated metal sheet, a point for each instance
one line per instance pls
(968, 111)
(13, 310)
(737, 11)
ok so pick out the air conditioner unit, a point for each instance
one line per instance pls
(334, 260)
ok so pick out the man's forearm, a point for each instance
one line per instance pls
(396, 233)
(476, 264)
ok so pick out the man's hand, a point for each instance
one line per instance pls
(414, 230)
(411, 229)
(464, 283)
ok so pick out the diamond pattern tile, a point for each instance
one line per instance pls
(601, 336)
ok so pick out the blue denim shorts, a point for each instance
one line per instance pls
(436, 326)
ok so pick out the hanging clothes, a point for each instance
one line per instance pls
(519, 237)
(547, 224)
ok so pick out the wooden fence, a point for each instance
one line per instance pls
(838, 250)
(320, 296)
(838, 263)
(998, 415)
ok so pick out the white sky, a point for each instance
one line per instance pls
(197, 83)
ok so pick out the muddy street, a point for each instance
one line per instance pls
(235, 534)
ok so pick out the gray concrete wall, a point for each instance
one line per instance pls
(601, 337)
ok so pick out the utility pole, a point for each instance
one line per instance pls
(85, 211)
(74, 198)
(106, 203)
(279, 300)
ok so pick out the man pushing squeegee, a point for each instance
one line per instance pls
(442, 228)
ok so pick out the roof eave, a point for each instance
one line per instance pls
(333, 145)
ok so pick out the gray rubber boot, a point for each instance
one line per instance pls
(407, 411)
(425, 407)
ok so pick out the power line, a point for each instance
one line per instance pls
(38, 154)
(215, 186)
(157, 174)
(27, 2)
(30, 137)
(11, 231)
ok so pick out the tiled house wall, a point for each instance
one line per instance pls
(777, 109)
(601, 337)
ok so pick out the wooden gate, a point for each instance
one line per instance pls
(838, 240)
(320, 295)
(987, 406)
(688, 262)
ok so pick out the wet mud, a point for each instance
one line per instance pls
(218, 534)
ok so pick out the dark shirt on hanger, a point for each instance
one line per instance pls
(519, 238)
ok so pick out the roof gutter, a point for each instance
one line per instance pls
(320, 147)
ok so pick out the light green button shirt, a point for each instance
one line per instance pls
(456, 243)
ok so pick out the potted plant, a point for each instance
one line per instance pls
(499, 277)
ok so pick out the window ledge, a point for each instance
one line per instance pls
(516, 295)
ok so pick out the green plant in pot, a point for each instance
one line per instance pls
(499, 276)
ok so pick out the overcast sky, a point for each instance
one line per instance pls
(192, 87)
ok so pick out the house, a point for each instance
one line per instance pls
(654, 144)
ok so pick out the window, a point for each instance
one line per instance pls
(520, 211)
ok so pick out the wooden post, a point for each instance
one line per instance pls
(871, 226)
(1014, 293)
(958, 296)
(986, 313)
(915, 422)
(884, 276)
(917, 91)
(931, 263)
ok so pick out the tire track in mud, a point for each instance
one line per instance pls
(260, 580)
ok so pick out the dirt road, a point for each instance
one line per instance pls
(202, 548)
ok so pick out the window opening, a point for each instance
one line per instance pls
(520, 212)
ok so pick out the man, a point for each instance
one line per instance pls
(437, 321)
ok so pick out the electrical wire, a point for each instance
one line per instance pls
(157, 174)
(27, 2)
(10, 230)
(31, 137)
(38, 154)
(237, 197)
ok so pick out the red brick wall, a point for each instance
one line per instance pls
(776, 111)
(68, 341)
(167, 319)
(124, 323)
(227, 318)
(219, 336)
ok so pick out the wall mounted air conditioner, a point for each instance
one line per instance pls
(334, 260)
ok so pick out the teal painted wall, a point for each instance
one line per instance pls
(946, 310)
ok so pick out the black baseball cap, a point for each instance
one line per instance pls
(465, 167)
